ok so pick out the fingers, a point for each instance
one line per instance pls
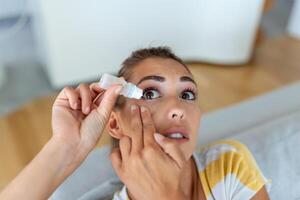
(171, 148)
(125, 145)
(69, 94)
(98, 91)
(103, 111)
(82, 98)
(148, 127)
(86, 98)
(136, 129)
(97, 100)
(95, 87)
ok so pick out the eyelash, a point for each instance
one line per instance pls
(185, 90)
(192, 91)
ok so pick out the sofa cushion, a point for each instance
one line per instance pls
(276, 146)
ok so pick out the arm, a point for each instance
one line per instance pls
(77, 123)
(42, 175)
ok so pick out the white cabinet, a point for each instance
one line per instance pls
(294, 21)
(79, 40)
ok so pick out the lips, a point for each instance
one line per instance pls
(176, 133)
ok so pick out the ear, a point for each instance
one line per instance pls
(113, 126)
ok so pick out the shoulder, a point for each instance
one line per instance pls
(229, 165)
(232, 145)
(229, 152)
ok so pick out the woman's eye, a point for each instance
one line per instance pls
(188, 95)
(150, 94)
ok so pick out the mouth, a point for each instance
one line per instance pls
(178, 134)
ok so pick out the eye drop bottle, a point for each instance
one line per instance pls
(129, 89)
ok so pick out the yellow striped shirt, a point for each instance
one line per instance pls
(227, 170)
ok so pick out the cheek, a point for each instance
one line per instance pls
(194, 115)
(194, 118)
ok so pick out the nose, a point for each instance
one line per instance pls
(176, 114)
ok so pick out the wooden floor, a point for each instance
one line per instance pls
(276, 63)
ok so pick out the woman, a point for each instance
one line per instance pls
(223, 170)
(156, 155)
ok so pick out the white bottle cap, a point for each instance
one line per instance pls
(132, 91)
(129, 89)
(108, 80)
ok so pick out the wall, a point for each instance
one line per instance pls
(13, 8)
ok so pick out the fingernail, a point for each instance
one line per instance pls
(118, 90)
(158, 137)
(143, 109)
(133, 107)
(87, 110)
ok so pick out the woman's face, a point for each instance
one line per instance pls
(170, 94)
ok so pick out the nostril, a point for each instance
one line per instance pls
(175, 115)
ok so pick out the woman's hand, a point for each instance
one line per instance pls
(78, 121)
(143, 166)
(76, 131)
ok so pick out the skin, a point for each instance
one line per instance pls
(168, 108)
(78, 123)
(166, 102)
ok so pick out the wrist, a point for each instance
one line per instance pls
(179, 195)
(64, 143)
(76, 149)
(61, 153)
(70, 154)
(62, 158)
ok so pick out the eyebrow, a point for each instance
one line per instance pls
(162, 79)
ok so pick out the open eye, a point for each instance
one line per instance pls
(150, 93)
(188, 95)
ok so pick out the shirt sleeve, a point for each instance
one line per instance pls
(231, 171)
(121, 195)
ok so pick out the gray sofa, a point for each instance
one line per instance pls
(269, 125)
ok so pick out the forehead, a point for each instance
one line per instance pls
(165, 67)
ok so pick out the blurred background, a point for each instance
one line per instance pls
(47, 45)
(236, 50)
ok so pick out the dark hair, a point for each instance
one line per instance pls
(135, 58)
(142, 54)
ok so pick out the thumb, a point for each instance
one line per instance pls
(108, 101)
(95, 122)
(171, 148)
